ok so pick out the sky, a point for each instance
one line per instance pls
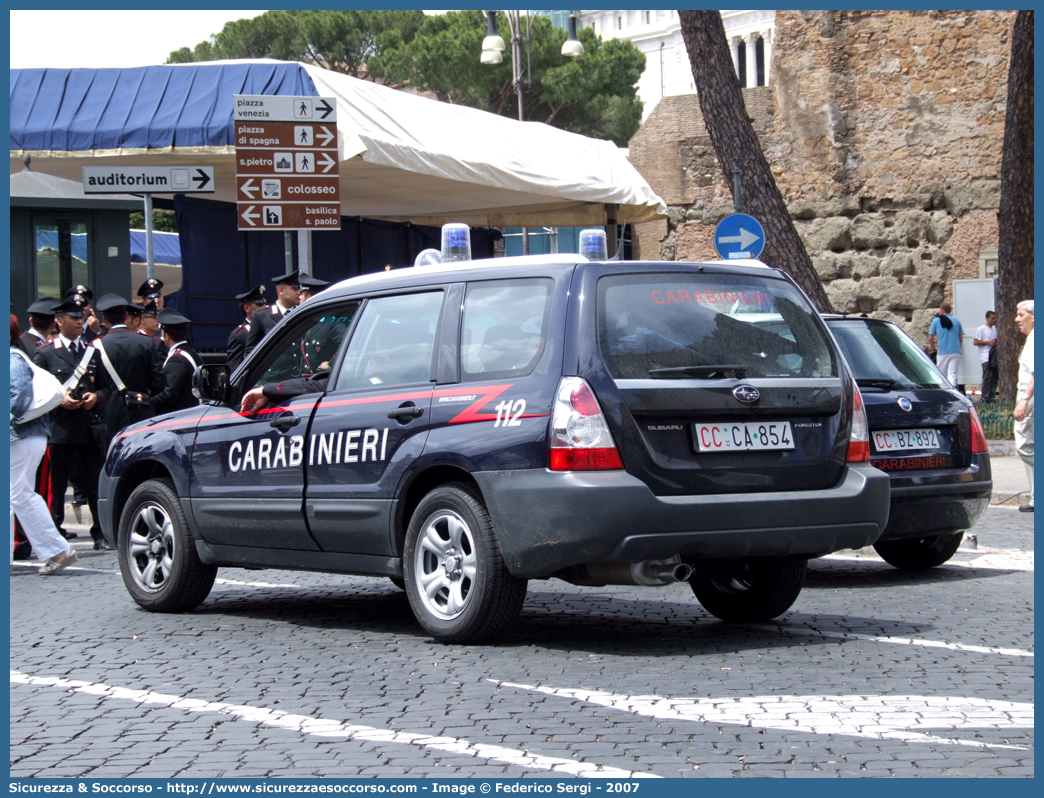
(96, 39)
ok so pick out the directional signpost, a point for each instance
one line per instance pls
(739, 236)
(286, 163)
(148, 180)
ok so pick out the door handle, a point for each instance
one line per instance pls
(406, 412)
(284, 421)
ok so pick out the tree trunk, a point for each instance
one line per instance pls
(1015, 253)
(736, 144)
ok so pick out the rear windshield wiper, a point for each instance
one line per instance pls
(675, 372)
(883, 383)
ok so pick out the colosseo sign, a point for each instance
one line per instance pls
(286, 163)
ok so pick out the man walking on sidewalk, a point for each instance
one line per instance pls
(986, 342)
(946, 336)
(1024, 398)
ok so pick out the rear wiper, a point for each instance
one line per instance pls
(883, 383)
(674, 372)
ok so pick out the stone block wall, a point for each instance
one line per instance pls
(884, 132)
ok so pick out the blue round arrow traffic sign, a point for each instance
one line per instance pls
(739, 236)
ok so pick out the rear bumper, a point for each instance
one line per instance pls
(939, 502)
(588, 517)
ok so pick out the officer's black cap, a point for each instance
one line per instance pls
(312, 283)
(151, 288)
(72, 306)
(171, 316)
(111, 302)
(292, 279)
(255, 294)
(43, 307)
(82, 290)
(150, 308)
(135, 309)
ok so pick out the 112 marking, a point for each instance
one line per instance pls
(509, 414)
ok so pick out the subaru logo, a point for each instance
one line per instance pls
(904, 403)
(746, 393)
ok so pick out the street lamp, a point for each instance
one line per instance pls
(492, 53)
(572, 47)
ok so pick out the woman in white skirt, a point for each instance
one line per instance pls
(28, 443)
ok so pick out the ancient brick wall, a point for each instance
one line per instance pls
(884, 132)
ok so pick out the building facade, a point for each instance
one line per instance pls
(61, 237)
(667, 71)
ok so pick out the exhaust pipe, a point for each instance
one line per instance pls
(667, 573)
(648, 573)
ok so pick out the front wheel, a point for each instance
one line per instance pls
(456, 581)
(157, 557)
(919, 554)
(750, 591)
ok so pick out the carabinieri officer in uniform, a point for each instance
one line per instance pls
(41, 325)
(152, 291)
(253, 301)
(179, 366)
(288, 295)
(72, 445)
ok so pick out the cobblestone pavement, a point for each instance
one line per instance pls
(874, 672)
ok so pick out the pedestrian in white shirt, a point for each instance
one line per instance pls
(986, 342)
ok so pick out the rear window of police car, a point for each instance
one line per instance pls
(681, 325)
(875, 350)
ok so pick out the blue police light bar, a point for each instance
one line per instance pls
(456, 242)
(593, 245)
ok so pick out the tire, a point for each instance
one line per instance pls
(156, 552)
(920, 554)
(457, 584)
(755, 590)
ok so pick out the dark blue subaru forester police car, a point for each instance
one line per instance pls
(475, 425)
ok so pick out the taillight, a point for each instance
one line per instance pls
(859, 442)
(978, 435)
(580, 438)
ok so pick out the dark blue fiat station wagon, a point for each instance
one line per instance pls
(462, 428)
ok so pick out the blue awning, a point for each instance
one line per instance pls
(145, 108)
(166, 247)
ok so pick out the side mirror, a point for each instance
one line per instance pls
(210, 383)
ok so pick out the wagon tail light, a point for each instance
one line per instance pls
(978, 435)
(859, 442)
(580, 438)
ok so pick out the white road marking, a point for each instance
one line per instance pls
(869, 716)
(35, 566)
(321, 727)
(999, 561)
(983, 559)
(231, 582)
(903, 641)
(236, 583)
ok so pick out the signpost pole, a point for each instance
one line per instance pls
(736, 189)
(288, 250)
(304, 251)
(150, 266)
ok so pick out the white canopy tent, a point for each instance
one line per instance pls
(409, 158)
